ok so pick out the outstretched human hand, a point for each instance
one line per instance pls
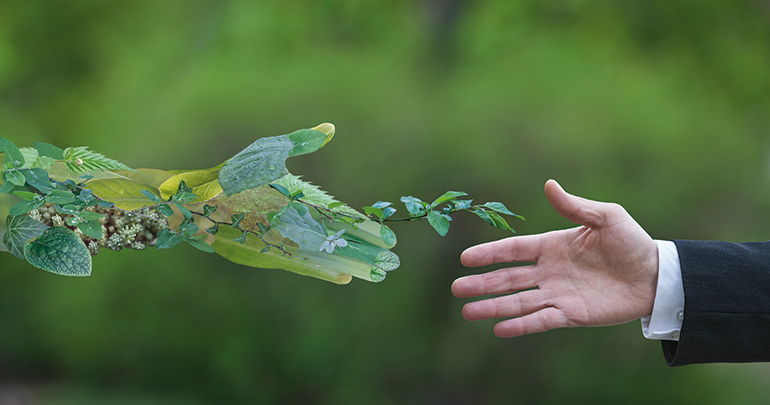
(603, 272)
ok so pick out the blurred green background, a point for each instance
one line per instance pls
(663, 107)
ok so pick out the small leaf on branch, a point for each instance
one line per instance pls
(501, 208)
(462, 204)
(236, 220)
(38, 178)
(369, 211)
(12, 153)
(183, 210)
(439, 222)
(198, 243)
(208, 210)
(241, 238)
(151, 196)
(25, 207)
(168, 239)
(15, 177)
(166, 210)
(448, 196)
(182, 188)
(301, 208)
(91, 228)
(188, 229)
(213, 230)
(60, 197)
(90, 216)
(281, 189)
(415, 206)
(26, 195)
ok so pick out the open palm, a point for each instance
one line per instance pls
(603, 272)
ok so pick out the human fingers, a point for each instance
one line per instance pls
(593, 214)
(512, 305)
(513, 249)
(540, 321)
(501, 281)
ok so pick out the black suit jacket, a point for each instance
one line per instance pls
(726, 303)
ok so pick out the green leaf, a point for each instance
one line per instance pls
(166, 210)
(387, 235)
(60, 197)
(501, 208)
(373, 210)
(7, 187)
(59, 251)
(68, 209)
(213, 230)
(90, 216)
(51, 151)
(183, 198)
(203, 183)
(208, 210)
(265, 160)
(281, 189)
(20, 229)
(188, 229)
(236, 220)
(387, 260)
(15, 177)
(26, 195)
(499, 222)
(462, 204)
(438, 222)
(301, 208)
(168, 239)
(415, 206)
(38, 178)
(198, 243)
(125, 193)
(448, 196)
(183, 188)
(241, 238)
(91, 228)
(80, 160)
(12, 153)
(377, 275)
(154, 198)
(183, 210)
(484, 215)
(24, 207)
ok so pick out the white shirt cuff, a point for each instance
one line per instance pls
(665, 323)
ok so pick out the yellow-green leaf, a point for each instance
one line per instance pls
(250, 253)
(204, 184)
(126, 194)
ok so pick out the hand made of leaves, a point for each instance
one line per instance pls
(249, 209)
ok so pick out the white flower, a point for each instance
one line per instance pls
(333, 241)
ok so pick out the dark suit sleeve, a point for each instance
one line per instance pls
(726, 303)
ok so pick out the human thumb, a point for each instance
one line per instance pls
(579, 210)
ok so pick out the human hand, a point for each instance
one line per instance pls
(603, 272)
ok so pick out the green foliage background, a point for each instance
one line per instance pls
(661, 106)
